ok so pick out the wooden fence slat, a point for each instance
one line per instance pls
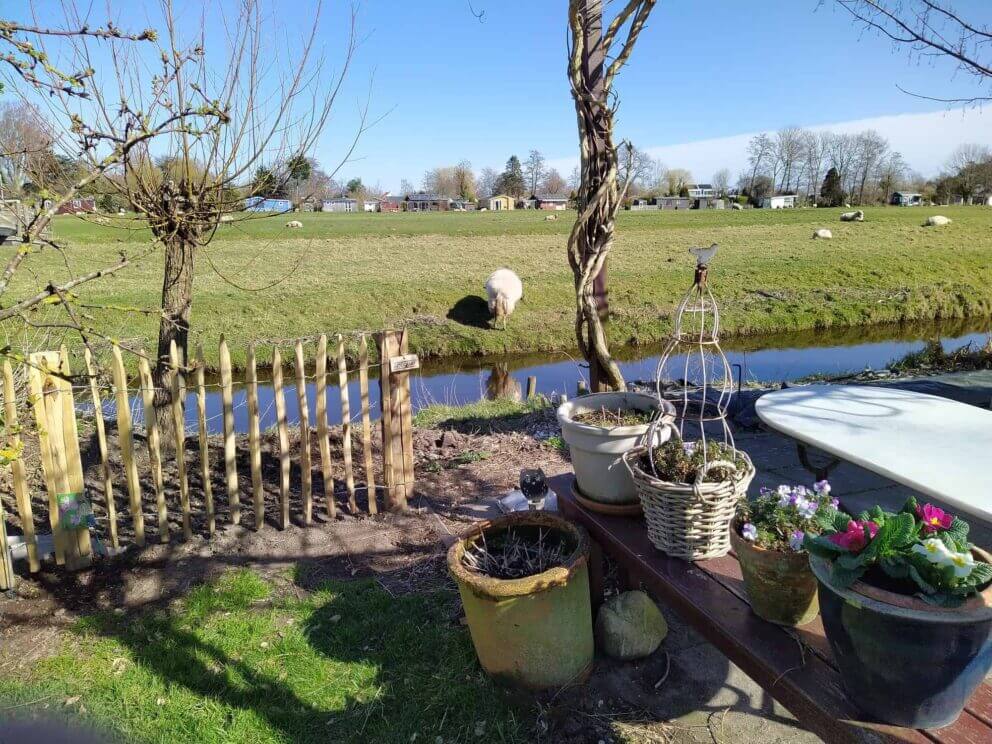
(322, 436)
(179, 434)
(349, 474)
(154, 446)
(385, 398)
(363, 386)
(283, 431)
(21, 494)
(255, 440)
(7, 578)
(230, 443)
(36, 388)
(80, 537)
(306, 475)
(406, 422)
(531, 387)
(126, 439)
(101, 438)
(201, 416)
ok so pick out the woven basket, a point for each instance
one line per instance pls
(690, 520)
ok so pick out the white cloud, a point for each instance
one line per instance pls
(924, 140)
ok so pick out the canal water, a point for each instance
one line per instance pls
(770, 358)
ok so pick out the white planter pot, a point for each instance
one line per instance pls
(596, 451)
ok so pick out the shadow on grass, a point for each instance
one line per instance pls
(471, 310)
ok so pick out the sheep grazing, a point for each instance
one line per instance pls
(736, 206)
(227, 218)
(858, 216)
(937, 221)
(294, 224)
(505, 290)
(551, 218)
(823, 233)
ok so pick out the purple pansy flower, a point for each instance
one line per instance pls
(749, 532)
(796, 540)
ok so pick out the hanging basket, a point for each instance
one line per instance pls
(690, 520)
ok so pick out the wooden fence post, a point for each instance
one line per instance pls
(230, 442)
(179, 434)
(322, 436)
(283, 438)
(255, 440)
(154, 445)
(363, 387)
(21, 494)
(531, 387)
(306, 474)
(101, 438)
(126, 439)
(349, 473)
(201, 420)
(397, 421)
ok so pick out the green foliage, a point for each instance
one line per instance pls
(783, 518)
(676, 461)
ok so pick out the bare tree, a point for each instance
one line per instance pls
(25, 145)
(721, 181)
(635, 166)
(969, 166)
(486, 181)
(872, 149)
(760, 151)
(553, 182)
(677, 180)
(255, 102)
(596, 55)
(406, 187)
(931, 29)
(534, 170)
(788, 148)
(815, 151)
(465, 185)
(891, 174)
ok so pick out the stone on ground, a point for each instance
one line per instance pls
(630, 626)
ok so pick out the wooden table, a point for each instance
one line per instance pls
(933, 445)
(709, 595)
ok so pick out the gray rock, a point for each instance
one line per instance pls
(630, 626)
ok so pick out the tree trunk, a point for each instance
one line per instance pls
(598, 201)
(177, 301)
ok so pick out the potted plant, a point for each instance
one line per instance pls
(599, 429)
(524, 585)
(689, 492)
(767, 535)
(907, 608)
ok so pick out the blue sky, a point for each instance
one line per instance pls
(703, 78)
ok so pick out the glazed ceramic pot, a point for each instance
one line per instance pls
(780, 585)
(902, 660)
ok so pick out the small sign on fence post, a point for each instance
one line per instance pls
(397, 416)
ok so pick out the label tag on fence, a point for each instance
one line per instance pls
(404, 363)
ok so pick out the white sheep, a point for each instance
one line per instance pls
(294, 224)
(551, 218)
(823, 233)
(504, 290)
(937, 221)
(227, 218)
(735, 205)
(858, 216)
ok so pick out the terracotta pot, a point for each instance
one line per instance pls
(780, 585)
(902, 660)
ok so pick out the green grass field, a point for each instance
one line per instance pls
(345, 272)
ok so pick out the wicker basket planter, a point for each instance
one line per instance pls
(689, 520)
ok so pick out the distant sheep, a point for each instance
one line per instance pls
(294, 224)
(227, 218)
(736, 206)
(937, 220)
(551, 218)
(505, 290)
(858, 216)
(823, 233)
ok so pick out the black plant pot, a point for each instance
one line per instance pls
(903, 661)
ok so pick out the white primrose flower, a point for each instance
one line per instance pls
(963, 563)
(934, 551)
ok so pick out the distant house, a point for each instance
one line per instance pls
(339, 204)
(497, 203)
(390, 204)
(672, 202)
(779, 201)
(261, 204)
(78, 206)
(462, 205)
(701, 191)
(906, 199)
(706, 203)
(639, 204)
(550, 202)
(529, 203)
(370, 205)
(427, 203)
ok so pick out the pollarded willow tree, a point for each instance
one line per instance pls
(595, 57)
(257, 99)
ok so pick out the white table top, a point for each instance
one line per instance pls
(933, 445)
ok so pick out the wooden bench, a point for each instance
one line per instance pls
(709, 596)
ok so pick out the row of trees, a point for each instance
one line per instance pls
(517, 179)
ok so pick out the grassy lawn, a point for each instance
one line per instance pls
(236, 661)
(368, 271)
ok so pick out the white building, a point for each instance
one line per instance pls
(341, 204)
(780, 201)
(701, 191)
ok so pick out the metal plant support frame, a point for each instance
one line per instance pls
(695, 336)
